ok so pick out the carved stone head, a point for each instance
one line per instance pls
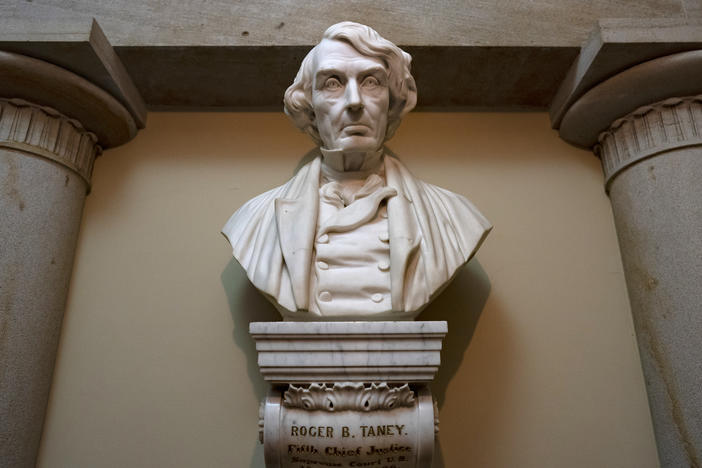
(353, 233)
(352, 89)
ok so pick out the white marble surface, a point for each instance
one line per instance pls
(299, 352)
(401, 437)
(353, 234)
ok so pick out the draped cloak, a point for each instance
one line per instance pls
(432, 233)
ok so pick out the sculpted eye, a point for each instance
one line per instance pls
(332, 83)
(370, 82)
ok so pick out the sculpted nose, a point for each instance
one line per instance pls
(353, 96)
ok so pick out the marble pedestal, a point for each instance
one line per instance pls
(348, 394)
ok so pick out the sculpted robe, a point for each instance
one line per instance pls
(432, 233)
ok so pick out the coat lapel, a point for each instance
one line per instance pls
(404, 235)
(296, 219)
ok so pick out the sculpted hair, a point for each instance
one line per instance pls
(403, 91)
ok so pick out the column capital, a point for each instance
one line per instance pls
(47, 85)
(45, 132)
(648, 131)
(671, 76)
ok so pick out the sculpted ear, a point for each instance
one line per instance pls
(411, 99)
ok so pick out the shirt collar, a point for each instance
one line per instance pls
(333, 164)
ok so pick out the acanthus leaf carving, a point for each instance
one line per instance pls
(348, 396)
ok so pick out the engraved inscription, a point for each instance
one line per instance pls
(382, 430)
(312, 431)
(349, 439)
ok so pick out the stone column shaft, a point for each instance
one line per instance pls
(46, 160)
(45, 163)
(652, 160)
(645, 122)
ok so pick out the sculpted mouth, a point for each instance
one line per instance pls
(356, 129)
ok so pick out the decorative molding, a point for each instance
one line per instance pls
(45, 132)
(348, 396)
(304, 352)
(649, 131)
(653, 81)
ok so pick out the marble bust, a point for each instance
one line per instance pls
(353, 235)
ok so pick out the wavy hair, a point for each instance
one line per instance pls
(403, 91)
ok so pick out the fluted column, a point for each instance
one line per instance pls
(46, 160)
(652, 161)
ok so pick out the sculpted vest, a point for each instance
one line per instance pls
(431, 232)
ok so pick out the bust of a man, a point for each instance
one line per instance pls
(353, 235)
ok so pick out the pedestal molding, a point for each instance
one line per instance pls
(649, 131)
(45, 132)
(297, 352)
(344, 394)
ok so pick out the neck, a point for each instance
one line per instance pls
(352, 161)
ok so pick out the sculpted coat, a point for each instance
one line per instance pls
(432, 233)
(353, 235)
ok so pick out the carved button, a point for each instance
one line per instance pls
(323, 265)
(384, 236)
(323, 239)
(377, 297)
(384, 266)
(325, 296)
(407, 196)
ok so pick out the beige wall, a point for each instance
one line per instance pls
(156, 368)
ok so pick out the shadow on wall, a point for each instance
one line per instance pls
(247, 305)
(460, 304)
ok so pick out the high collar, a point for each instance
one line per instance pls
(333, 164)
